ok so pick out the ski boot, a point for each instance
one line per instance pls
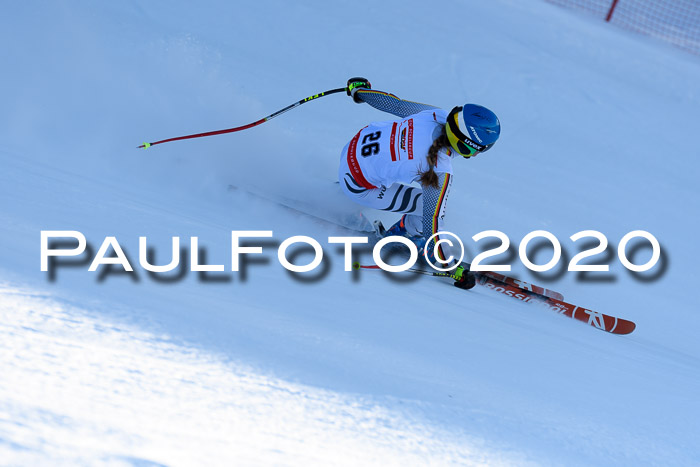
(397, 229)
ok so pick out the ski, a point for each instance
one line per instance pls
(608, 323)
(593, 318)
(513, 282)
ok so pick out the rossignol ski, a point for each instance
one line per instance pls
(529, 293)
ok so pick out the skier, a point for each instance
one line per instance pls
(379, 163)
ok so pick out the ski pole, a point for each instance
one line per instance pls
(250, 125)
(413, 270)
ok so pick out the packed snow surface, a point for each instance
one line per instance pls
(599, 133)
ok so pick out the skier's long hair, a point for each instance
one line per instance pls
(429, 177)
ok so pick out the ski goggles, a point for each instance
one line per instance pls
(460, 142)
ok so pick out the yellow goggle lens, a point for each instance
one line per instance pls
(457, 145)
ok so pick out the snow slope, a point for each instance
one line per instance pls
(599, 132)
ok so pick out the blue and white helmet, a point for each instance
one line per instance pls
(472, 129)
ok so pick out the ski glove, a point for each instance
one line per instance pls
(357, 83)
(464, 279)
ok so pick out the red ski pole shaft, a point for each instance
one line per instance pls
(249, 125)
